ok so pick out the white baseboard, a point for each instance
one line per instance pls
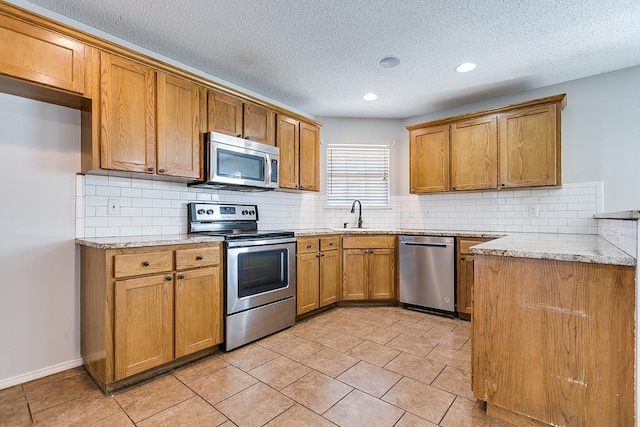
(40, 373)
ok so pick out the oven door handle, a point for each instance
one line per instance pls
(247, 243)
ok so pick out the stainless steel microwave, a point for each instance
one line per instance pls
(239, 163)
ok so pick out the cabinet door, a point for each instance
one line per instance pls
(355, 274)
(287, 139)
(127, 115)
(429, 159)
(329, 277)
(474, 154)
(529, 147)
(143, 322)
(382, 273)
(307, 282)
(32, 53)
(198, 302)
(309, 157)
(224, 114)
(465, 284)
(178, 124)
(259, 124)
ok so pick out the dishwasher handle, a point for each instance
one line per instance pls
(431, 245)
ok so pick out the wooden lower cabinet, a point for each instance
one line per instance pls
(318, 272)
(464, 270)
(553, 341)
(142, 308)
(369, 267)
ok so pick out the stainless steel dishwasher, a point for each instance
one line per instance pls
(427, 273)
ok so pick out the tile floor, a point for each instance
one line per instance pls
(374, 366)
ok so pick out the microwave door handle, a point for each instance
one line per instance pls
(268, 169)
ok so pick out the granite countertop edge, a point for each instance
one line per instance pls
(146, 241)
(630, 215)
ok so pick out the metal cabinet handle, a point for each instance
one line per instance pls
(169, 278)
(322, 255)
(317, 255)
(239, 135)
(246, 137)
(162, 170)
(180, 276)
(151, 169)
(308, 246)
(502, 185)
(462, 258)
(199, 258)
(146, 263)
(454, 187)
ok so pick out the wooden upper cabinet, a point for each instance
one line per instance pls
(127, 115)
(309, 157)
(429, 159)
(224, 114)
(32, 53)
(178, 124)
(288, 139)
(529, 141)
(474, 154)
(259, 124)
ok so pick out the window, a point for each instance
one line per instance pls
(358, 172)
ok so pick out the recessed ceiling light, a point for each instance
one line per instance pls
(388, 62)
(370, 97)
(466, 67)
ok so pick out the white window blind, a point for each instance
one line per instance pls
(358, 172)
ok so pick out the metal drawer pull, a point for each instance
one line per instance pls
(199, 258)
(169, 278)
(146, 263)
(180, 276)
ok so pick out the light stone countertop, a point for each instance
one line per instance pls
(447, 233)
(624, 215)
(588, 248)
(142, 241)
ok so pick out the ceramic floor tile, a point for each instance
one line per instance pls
(157, 395)
(82, 411)
(348, 326)
(298, 348)
(420, 399)
(249, 357)
(438, 322)
(275, 339)
(317, 392)
(280, 372)
(373, 353)
(359, 409)
(309, 331)
(410, 420)
(199, 369)
(370, 378)
(339, 341)
(410, 315)
(470, 413)
(35, 384)
(447, 338)
(46, 394)
(13, 407)
(222, 384)
(415, 367)
(228, 424)
(329, 362)
(255, 405)
(463, 329)
(409, 328)
(467, 345)
(377, 334)
(455, 381)
(298, 416)
(414, 345)
(193, 412)
(121, 419)
(460, 359)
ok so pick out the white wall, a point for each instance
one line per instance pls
(600, 131)
(39, 293)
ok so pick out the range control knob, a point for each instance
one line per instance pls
(252, 212)
(200, 212)
(209, 211)
(244, 212)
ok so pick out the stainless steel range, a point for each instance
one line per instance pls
(260, 270)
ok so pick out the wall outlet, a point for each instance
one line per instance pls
(113, 207)
(533, 211)
(289, 213)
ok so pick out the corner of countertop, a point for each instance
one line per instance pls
(629, 215)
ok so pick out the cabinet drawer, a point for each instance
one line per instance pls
(308, 244)
(465, 244)
(197, 257)
(329, 243)
(372, 242)
(145, 263)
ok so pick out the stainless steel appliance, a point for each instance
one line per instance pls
(237, 163)
(260, 271)
(427, 273)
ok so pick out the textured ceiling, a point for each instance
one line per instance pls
(320, 56)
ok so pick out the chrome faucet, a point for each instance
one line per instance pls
(353, 209)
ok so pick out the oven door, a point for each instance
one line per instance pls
(259, 273)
